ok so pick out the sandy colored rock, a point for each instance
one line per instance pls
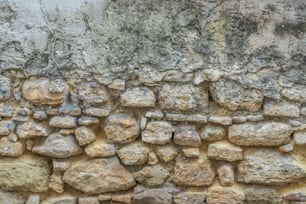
(60, 165)
(61, 200)
(5, 87)
(157, 132)
(58, 146)
(88, 200)
(226, 174)
(92, 93)
(99, 176)
(224, 150)
(166, 153)
(221, 120)
(6, 127)
(25, 173)
(213, 132)
(153, 159)
(32, 129)
(153, 196)
(37, 91)
(234, 96)
(151, 175)
(283, 168)
(133, 154)
(123, 198)
(193, 172)
(10, 148)
(261, 194)
(183, 97)
(187, 135)
(84, 135)
(260, 134)
(99, 112)
(295, 93)
(299, 138)
(63, 122)
(117, 84)
(138, 97)
(191, 152)
(189, 197)
(121, 128)
(56, 182)
(286, 148)
(11, 198)
(281, 109)
(100, 149)
(85, 120)
(224, 195)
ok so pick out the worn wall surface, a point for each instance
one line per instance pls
(152, 101)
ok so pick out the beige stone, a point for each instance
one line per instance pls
(85, 120)
(213, 132)
(6, 127)
(260, 134)
(281, 109)
(63, 122)
(223, 150)
(32, 129)
(99, 148)
(299, 137)
(100, 112)
(166, 153)
(226, 174)
(56, 182)
(151, 175)
(11, 198)
(189, 197)
(133, 154)
(152, 160)
(61, 200)
(261, 194)
(99, 176)
(191, 152)
(9, 148)
(89, 200)
(92, 93)
(187, 135)
(84, 135)
(60, 165)
(156, 196)
(225, 195)
(221, 120)
(123, 198)
(157, 132)
(138, 97)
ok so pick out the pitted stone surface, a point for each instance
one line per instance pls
(138, 97)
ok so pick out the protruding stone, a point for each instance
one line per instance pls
(156, 196)
(6, 111)
(11, 198)
(196, 118)
(166, 153)
(117, 84)
(60, 165)
(233, 96)
(84, 135)
(264, 134)
(25, 173)
(5, 88)
(37, 91)
(283, 168)
(133, 154)
(59, 146)
(9, 148)
(143, 123)
(63, 122)
(61, 200)
(85, 120)
(221, 120)
(70, 109)
(99, 176)
(151, 175)
(93, 93)
(125, 198)
(226, 195)
(187, 135)
(226, 174)
(183, 97)
(189, 197)
(155, 114)
(40, 115)
(260, 194)
(178, 76)
(213, 132)
(152, 159)
(70, 131)
(56, 182)
(191, 152)
(193, 172)
(176, 117)
(100, 149)
(6, 127)
(286, 148)
(281, 109)
(295, 94)
(121, 128)
(98, 112)
(32, 129)
(33, 199)
(138, 97)
(105, 197)
(89, 200)
(224, 151)
(157, 132)
(299, 137)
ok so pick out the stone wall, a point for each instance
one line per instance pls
(152, 102)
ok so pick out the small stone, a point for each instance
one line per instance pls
(153, 160)
(60, 165)
(63, 122)
(10, 149)
(67, 131)
(104, 197)
(176, 117)
(93, 93)
(89, 200)
(84, 120)
(117, 84)
(84, 135)
(121, 128)
(98, 112)
(11, 198)
(37, 91)
(286, 148)
(303, 111)
(151, 176)
(5, 88)
(6, 127)
(12, 137)
(187, 135)
(223, 150)
(56, 86)
(61, 200)
(29, 145)
(196, 118)
(18, 118)
(133, 154)
(248, 118)
(57, 145)
(281, 109)
(52, 111)
(6, 111)
(263, 133)
(189, 197)
(295, 94)
(226, 174)
(283, 168)
(138, 97)
(70, 109)
(183, 97)
(25, 173)
(191, 152)
(56, 183)
(193, 172)
(213, 132)
(222, 120)
(40, 115)
(100, 149)
(261, 194)
(178, 76)
(33, 199)
(123, 198)
(156, 196)
(296, 196)
(157, 132)
(32, 129)
(99, 176)
(166, 153)
(226, 195)
(155, 114)
(299, 137)
(143, 123)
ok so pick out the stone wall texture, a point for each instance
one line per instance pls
(152, 101)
